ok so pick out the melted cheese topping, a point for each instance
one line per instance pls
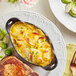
(31, 43)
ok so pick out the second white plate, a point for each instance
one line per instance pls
(58, 9)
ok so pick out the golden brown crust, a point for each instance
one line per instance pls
(11, 66)
(1, 70)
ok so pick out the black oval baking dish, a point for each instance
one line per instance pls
(49, 67)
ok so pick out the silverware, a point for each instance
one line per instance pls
(73, 64)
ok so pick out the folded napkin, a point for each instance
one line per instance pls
(70, 52)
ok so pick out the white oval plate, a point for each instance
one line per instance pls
(58, 8)
(51, 30)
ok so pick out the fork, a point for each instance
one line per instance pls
(73, 64)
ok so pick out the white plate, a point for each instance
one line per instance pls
(58, 9)
(51, 30)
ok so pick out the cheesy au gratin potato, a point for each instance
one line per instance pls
(31, 43)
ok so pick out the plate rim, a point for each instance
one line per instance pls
(58, 18)
(44, 18)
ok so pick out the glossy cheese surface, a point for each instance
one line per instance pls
(31, 43)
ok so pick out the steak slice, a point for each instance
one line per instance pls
(11, 66)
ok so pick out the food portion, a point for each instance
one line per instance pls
(3, 39)
(4, 43)
(66, 1)
(11, 66)
(72, 11)
(12, 1)
(31, 43)
(29, 3)
(9, 51)
(70, 7)
(2, 54)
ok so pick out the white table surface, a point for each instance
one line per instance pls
(43, 8)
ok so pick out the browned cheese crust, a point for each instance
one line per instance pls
(11, 66)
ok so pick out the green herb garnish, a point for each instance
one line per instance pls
(32, 52)
(21, 27)
(47, 40)
(28, 60)
(41, 46)
(42, 40)
(36, 52)
(51, 54)
(27, 28)
(36, 47)
(30, 47)
(25, 24)
(35, 27)
(16, 36)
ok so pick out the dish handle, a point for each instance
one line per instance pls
(10, 22)
(52, 65)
